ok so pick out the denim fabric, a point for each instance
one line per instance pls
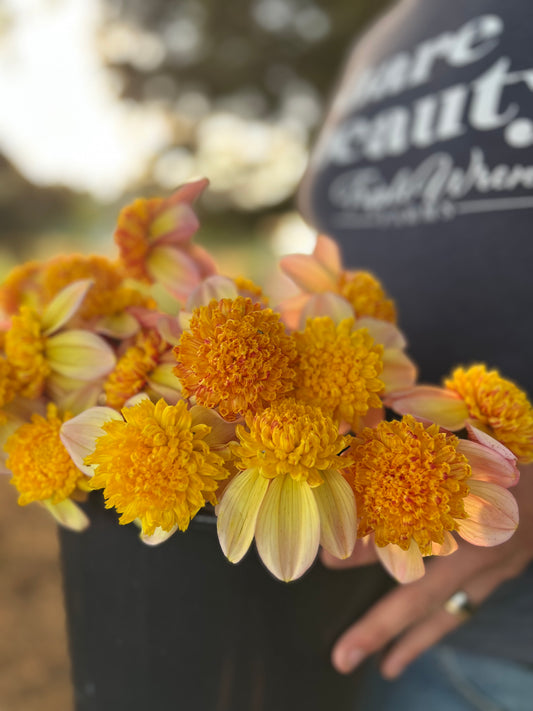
(447, 679)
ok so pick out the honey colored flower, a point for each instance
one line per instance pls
(156, 466)
(37, 348)
(154, 238)
(42, 469)
(479, 397)
(322, 273)
(415, 484)
(235, 356)
(289, 494)
(339, 369)
(141, 366)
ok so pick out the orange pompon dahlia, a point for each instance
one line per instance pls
(415, 484)
(42, 469)
(235, 356)
(154, 464)
(338, 369)
(478, 397)
(321, 273)
(289, 494)
(154, 238)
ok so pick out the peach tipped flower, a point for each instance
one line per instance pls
(322, 272)
(416, 484)
(235, 356)
(42, 469)
(339, 369)
(155, 465)
(289, 494)
(154, 237)
(479, 397)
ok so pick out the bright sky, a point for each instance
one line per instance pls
(60, 120)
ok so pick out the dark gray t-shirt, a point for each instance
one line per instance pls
(424, 175)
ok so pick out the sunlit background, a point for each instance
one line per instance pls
(105, 100)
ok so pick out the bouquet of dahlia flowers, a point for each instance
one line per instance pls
(299, 425)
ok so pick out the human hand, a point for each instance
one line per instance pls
(412, 616)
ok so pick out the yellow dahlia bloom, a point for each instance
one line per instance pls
(415, 485)
(289, 494)
(235, 356)
(41, 350)
(154, 464)
(42, 469)
(479, 397)
(339, 369)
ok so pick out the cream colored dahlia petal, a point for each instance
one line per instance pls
(288, 528)
(492, 514)
(214, 287)
(383, 332)
(81, 355)
(447, 548)
(164, 383)
(119, 326)
(431, 403)
(158, 537)
(399, 371)
(68, 514)
(326, 304)
(237, 513)
(221, 433)
(405, 566)
(64, 305)
(79, 434)
(308, 273)
(338, 518)
(488, 465)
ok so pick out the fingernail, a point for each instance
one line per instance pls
(349, 660)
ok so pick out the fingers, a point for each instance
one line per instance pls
(415, 611)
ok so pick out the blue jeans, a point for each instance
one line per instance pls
(448, 679)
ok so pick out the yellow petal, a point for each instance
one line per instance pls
(404, 566)
(492, 514)
(288, 528)
(431, 403)
(81, 355)
(67, 514)
(237, 513)
(176, 223)
(79, 434)
(399, 371)
(164, 383)
(338, 520)
(64, 305)
(118, 326)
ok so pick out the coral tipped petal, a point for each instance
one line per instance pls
(488, 465)
(431, 403)
(492, 515)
